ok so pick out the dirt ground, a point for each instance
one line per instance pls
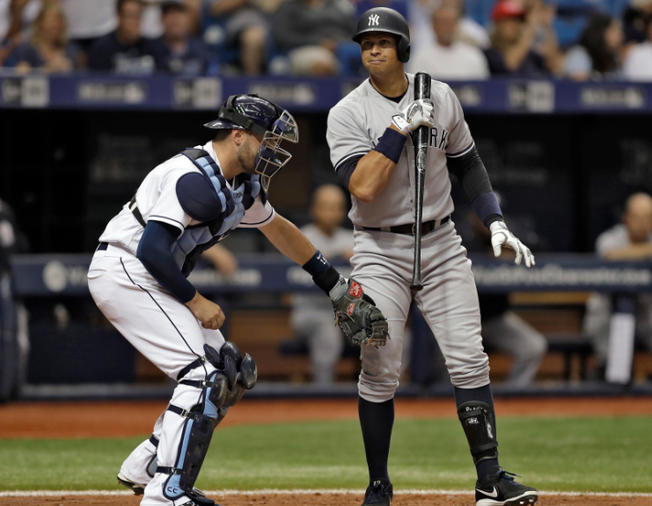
(133, 418)
(324, 500)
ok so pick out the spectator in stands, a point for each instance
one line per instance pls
(247, 29)
(181, 53)
(151, 25)
(311, 321)
(447, 57)
(48, 49)
(502, 329)
(313, 32)
(125, 50)
(598, 52)
(635, 20)
(523, 44)
(16, 19)
(87, 21)
(421, 29)
(630, 240)
(638, 62)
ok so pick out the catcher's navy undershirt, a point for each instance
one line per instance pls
(155, 252)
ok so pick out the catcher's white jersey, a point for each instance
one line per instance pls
(157, 200)
(357, 122)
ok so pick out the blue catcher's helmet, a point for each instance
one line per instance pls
(260, 116)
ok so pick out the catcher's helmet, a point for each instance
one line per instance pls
(384, 19)
(262, 117)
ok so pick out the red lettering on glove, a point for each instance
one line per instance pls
(355, 290)
(350, 309)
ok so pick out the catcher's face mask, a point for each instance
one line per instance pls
(271, 157)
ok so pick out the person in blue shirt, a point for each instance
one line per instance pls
(181, 53)
(125, 50)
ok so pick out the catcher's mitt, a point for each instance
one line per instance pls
(357, 315)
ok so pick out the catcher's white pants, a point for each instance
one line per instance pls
(382, 264)
(163, 330)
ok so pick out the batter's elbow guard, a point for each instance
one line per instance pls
(479, 424)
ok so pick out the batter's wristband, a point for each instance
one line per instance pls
(391, 144)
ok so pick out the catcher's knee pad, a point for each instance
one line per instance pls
(479, 424)
(240, 372)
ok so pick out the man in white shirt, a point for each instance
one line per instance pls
(448, 58)
(627, 241)
(638, 62)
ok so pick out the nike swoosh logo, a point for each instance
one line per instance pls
(493, 493)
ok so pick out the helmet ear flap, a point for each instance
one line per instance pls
(403, 49)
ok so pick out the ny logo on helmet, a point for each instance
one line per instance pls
(374, 20)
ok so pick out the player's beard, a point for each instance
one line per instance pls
(246, 154)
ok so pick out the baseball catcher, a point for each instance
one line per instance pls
(138, 279)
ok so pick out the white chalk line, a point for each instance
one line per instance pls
(302, 491)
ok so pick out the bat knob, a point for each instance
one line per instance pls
(416, 288)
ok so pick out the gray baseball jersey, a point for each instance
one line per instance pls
(357, 122)
(382, 261)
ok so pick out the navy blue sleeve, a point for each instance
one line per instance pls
(346, 168)
(473, 176)
(155, 251)
(199, 199)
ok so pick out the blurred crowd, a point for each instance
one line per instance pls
(451, 39)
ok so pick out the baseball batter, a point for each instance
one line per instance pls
(137, 278)
(368, 135)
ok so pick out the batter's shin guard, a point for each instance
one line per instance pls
(479, 424)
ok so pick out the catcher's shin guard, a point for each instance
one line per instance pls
(223, 389)
(196, 436)
(479, 424)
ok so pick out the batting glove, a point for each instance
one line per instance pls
(501, 236)
(418, 113)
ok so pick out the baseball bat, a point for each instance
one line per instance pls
(420, 142)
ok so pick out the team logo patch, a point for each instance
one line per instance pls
(374, 20)
(355, 290)
(350, 309)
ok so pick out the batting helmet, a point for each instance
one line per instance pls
(384, 19)
(259, 115)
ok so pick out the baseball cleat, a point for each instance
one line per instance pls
(501, 489)
(196, 496)
(138, 488)
(379, 493)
